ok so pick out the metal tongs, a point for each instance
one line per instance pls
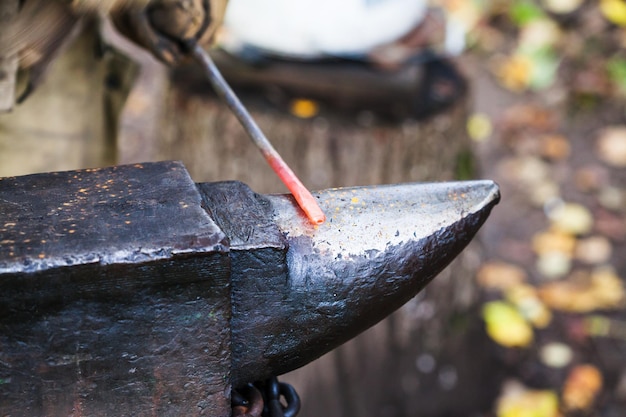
(303, 196)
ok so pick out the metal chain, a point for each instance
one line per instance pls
(247, 402)
(263, 399)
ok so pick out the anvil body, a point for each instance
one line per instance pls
(132, 290)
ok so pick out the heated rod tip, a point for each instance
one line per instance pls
(301, 193)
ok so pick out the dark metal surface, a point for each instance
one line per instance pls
(114, 295)
(132, 291)
(107, 216)
(379, 247)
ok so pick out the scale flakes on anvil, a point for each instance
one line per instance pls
(131, 289)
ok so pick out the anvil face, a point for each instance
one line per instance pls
(130, 285)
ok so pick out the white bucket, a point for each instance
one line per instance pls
(312, 28)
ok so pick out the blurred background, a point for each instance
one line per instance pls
(530, 320)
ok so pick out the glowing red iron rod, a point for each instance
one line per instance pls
(303, 196)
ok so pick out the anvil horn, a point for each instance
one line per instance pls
(132, 290)
(378, 248)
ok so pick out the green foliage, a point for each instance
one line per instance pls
(523, 12)
(616, 68)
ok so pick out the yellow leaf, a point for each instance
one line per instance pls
(527, 301)
(514, 72)
(505, 325)
(304, 109)
(528, 403)
(571, 218)
(608, 288)
(600, 290)
(500, 275)
(614, 11)
(479, 127)
(554, 241)
(581, 387)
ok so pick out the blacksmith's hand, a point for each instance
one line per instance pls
(168, 27)
(164, 27)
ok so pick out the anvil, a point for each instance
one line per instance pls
(132, 290)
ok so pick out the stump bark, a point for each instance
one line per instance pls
(70, 120)
(415, 361)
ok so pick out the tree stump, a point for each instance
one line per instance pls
(415, 361)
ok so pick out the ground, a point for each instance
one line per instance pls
(553, 283)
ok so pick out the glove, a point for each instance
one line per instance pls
(168, 27)
(164, 27)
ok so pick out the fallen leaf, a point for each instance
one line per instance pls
(556, 355)
(519, 401)
(584, 292)
(614, 11)
(608, 288)
(514, 72)
(523, 12)
(555, 147)
(593, 250)
(500, 275)
(582, 386)
(553, 240)
(554, 264)
(611, 146)
(303, 108)
(571, 218)
(545, 63)
(612, 198)
(562, 6)
(533, 68)
(505, 325)
(527, 301)
(479, 127)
